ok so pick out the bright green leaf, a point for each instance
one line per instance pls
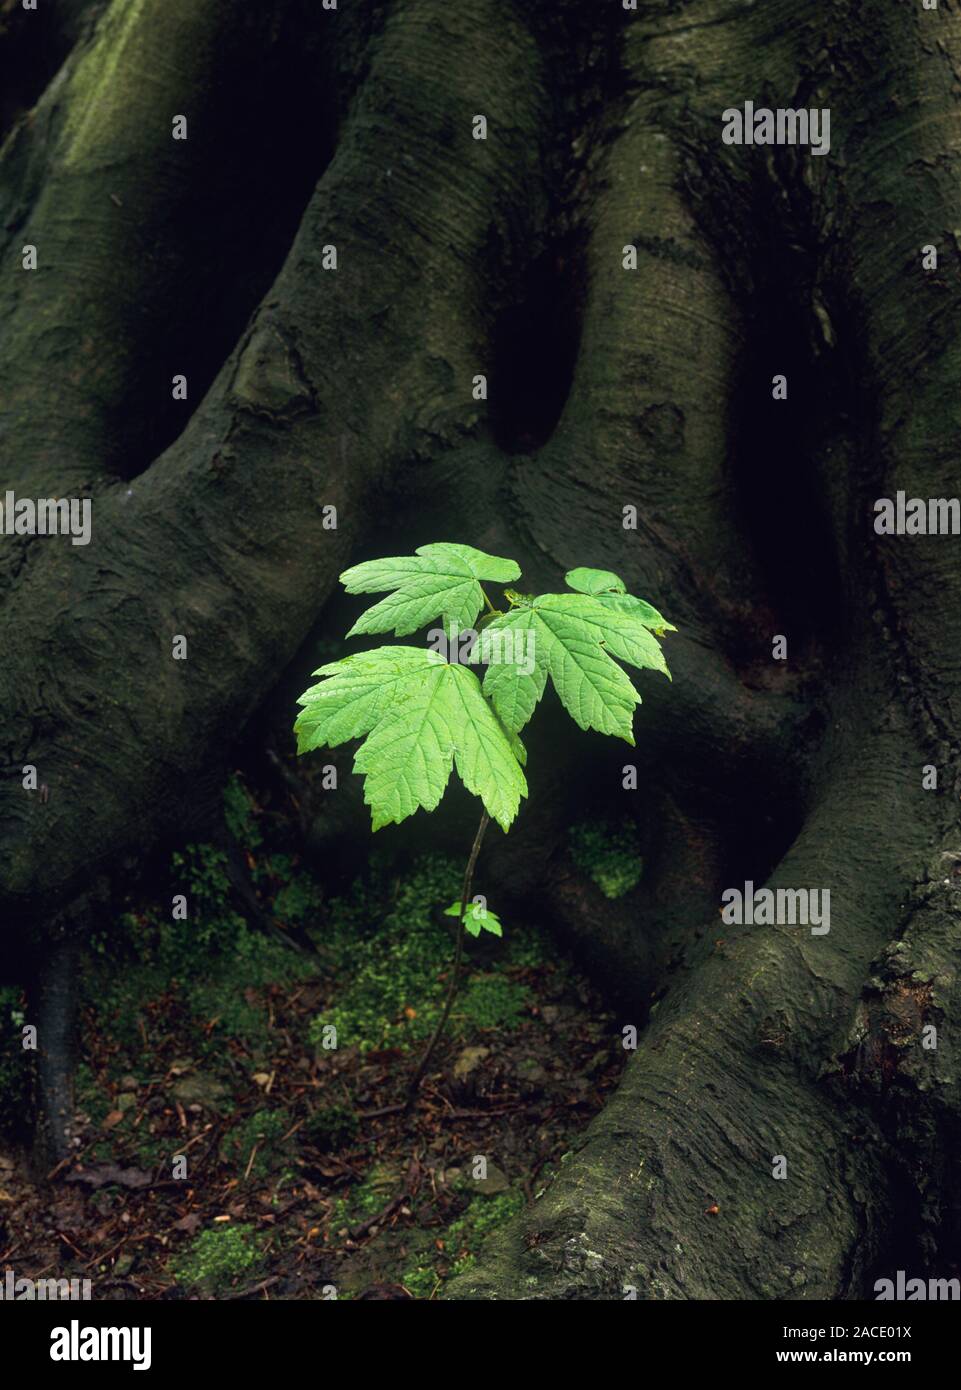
(609, 588)
(514, 696)
(359, 691)
(421, 717)
(476, 918)
(439, 581)
(637, 608)
(575, 637)
(440, 720)
(620, 628)
(588, 581)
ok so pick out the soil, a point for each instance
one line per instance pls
(281, 1170)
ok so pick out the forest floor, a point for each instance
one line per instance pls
(226, 1149)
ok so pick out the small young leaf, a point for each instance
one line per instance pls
(609, 588)
(474, 921)
(637, 608)
(588, 581)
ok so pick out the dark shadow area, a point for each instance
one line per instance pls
(777, 443)
(255, 155)
(35, 44)
(534, 348)
(538, 278)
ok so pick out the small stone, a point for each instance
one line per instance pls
(495, 1182)
(529, 1069)
(199, 1089)
(468, 1061)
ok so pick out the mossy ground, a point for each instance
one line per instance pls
(217, 1257)
(14, 1077)
(607, 853)
(206, 1045)
(389, 945)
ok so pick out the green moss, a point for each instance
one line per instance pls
(483, 1215)
(395, 962)
(92, 1099)
(205, 965)
(492, 1001)
(397, 966)
(530, 949)
(607, 853)
(202, 981)
(420, 1280)
(240, 814)
(298, 902)
(218, 1257)
(393, 957)
(332, 1127)
(462, 1240)
(15, 1068)
(366, 1198)
(203, 977)
(258, 1136)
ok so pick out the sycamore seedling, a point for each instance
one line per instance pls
(424, 710)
